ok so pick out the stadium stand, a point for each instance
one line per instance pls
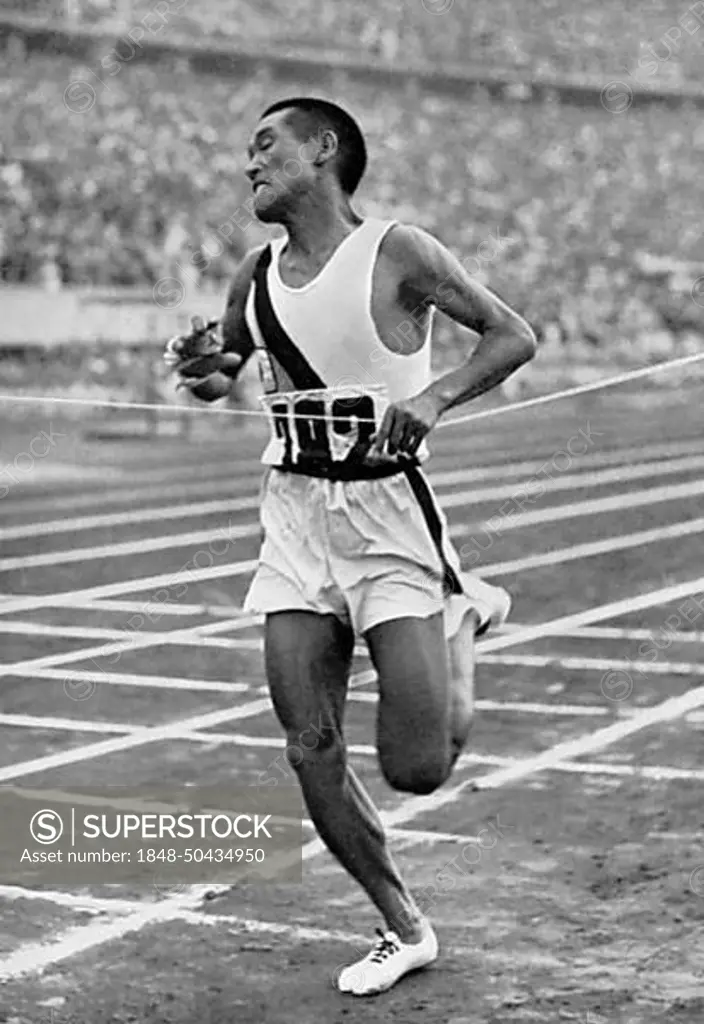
(117, 171)
(109, 180)
(540, 36)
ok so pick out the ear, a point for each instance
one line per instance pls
(327, 146)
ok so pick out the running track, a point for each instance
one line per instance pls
(126, 660)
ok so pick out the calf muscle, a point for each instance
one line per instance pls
(308, 659)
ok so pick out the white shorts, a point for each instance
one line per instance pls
(367, 551)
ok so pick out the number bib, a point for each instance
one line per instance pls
(319, 428)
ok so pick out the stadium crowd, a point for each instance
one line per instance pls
(119, 179)
(656, 43)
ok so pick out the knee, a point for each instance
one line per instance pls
(462, 722)
(304, 751)
(420, 778)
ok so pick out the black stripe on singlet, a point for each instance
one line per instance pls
(301, 374)
(424, 497)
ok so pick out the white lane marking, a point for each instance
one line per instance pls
(72, 900)
(667, 711)
(256, 621)
(109, 520)
(121, 549)
(34, 957)
(592, 549)
(509, 706)
(158, 733)
(99, 633)
(37, 958)
(577, 481)
(183, 577)
(120, 607)
(102, 678)
(106, 605)
(616, 633)
(15, 604)
(72, 942)
(555, 513)
(242, 476)
(224, 484)
(589, 743)
(595, 460)
(679, 837)
(234, 739)
(591, 615)
(63, 724)
(650, 496)
(133, 642)
(679, 668)
(469, 760)
(105, 678)
(535, 708)
(139, 738)
(578, 509)
(59, 724)
(158, 514)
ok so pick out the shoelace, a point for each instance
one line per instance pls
(383, 949)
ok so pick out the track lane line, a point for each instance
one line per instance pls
(14, 603)
(212, 486)
(160, 513)
(553, 514)
(34, 958)
(19, 628)
(153, 734)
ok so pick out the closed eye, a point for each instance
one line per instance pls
(261, 142)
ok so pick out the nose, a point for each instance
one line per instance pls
(253, 167)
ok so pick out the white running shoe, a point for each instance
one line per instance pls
(388, 962)
(492, 604)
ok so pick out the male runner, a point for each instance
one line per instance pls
(339, 313)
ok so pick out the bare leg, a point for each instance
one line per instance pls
(426, 698)
(416, 702)
(461, 654)
(308, 658)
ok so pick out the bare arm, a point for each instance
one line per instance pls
(234, 325)
(238, 344)
(429, 275)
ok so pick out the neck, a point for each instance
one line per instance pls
(319, 223)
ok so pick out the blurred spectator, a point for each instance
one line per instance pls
(661, 40)
(49, 272)
(138, 176)
(178, 249)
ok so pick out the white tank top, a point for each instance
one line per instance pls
(320, 354)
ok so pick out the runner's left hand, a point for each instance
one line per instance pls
(404, 426)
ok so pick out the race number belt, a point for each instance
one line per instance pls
(326, 433)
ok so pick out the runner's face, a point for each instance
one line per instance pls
(279, 167)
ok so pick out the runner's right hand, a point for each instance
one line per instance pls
(197, 356)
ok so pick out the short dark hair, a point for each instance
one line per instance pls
(319, 114)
